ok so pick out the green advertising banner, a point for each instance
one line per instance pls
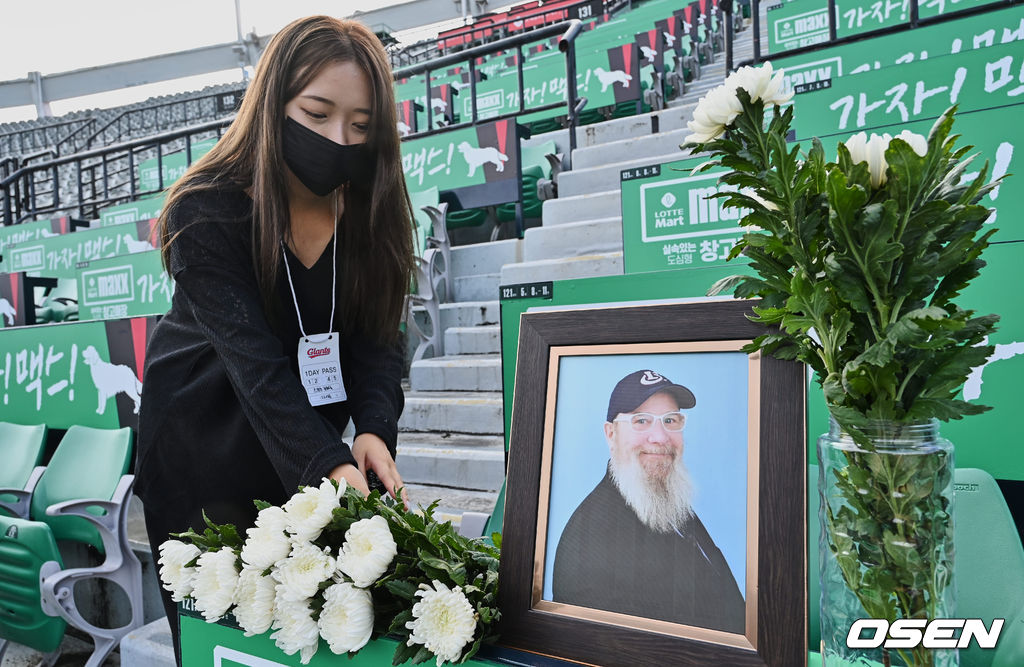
(797, 23)
(31, 231)
(124, 286)
(58, 256)
(222, 645)
(480, 163)
(87, 373)
(975, 79)
(668, 222)
(173, 167)
(972, 32)
(141, 209)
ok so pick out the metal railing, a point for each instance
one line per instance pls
(19, 142)
(151, 119)
(567, 30)
(487, 33)
(79, 185)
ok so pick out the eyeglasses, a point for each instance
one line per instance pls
(643, 421)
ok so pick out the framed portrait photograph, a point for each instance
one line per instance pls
(655, 508)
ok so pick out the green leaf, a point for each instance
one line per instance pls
(404, 589)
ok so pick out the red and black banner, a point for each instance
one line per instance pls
(60, 225)
(624, 67)
(671, 30)
(149, 230)
(14, 303)
(706, 9)
(651, 45)
(441, 99)
(497, 154)
(407, 116)
(126, 344)
(689, 15)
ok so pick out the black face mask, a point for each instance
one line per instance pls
(321, 164)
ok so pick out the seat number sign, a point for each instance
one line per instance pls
(320, 368)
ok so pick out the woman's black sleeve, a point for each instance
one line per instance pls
(373, 379)
(212, 268)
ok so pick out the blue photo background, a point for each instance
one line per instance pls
(714, 441)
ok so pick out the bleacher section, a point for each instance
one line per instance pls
(511, 201)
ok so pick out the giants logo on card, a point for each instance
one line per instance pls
(315, 352)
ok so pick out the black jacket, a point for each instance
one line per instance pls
(608, 559)
(224, 418)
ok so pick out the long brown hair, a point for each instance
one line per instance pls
(375, 253)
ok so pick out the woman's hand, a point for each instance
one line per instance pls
(372, 454)
(351, 475)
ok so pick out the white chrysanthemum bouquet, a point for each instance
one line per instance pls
(333, 565)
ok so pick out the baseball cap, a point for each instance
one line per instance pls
(637, 387)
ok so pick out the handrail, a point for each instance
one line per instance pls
(426, 45)
(104, 155)
(568, 31)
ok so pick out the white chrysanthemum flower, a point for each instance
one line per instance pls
(713, 113)
(917, 142)
(295, 629)
(761, 83)
(267, 542)
(176, 577)
(215, 583)
(443, 621)
(872, 152)
(310, 510)
(368, 551)
(302, 572)
(255, 596)
(346, 621)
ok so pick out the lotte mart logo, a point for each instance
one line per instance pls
(684, 208)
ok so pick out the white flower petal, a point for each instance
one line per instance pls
(368, 551)
(295, 629)
(215, 583)
(255, 595)
(346, 622)
(915, 141)
(443, 621)
(302, 572)
(176, 578)
(309, 510)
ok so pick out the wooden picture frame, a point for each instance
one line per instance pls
(569, 364)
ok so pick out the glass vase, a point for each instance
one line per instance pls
(886, 540)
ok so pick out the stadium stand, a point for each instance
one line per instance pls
(511, 182)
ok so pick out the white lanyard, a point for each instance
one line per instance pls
(319, 355)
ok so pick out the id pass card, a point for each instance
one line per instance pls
(320, 368)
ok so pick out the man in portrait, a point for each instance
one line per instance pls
(634, 545)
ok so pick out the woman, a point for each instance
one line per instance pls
(296, 226)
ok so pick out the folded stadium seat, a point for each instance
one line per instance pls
(424, 227)
(82, 497)
(989, 566)
(532, 204)
(21, 450)
(60, 304)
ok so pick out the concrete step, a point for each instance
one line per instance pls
(466, 314)
(453, 502)
(480, 287)
(580, 208)
(484, 258)
(453, 412)
(586, 266)
(628, 149)
(607, 176)
(476, 372)
(149, 646)
(451, 460)
(591, 237)
(473, 340)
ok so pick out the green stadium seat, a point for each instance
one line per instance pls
(989, 566)
(21, 450)
(82, 496)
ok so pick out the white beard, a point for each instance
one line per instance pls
(661, 504)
